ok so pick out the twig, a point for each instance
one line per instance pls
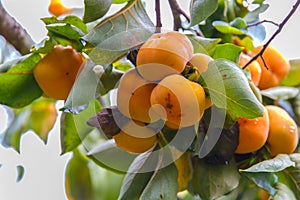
(280, 27)
(14, 33)
(175, 8)
(263, 21)
(158, 16)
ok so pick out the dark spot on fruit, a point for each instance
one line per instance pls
(169, 105)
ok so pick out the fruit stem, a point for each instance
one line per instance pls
(280, 27)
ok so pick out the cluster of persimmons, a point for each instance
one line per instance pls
(275, 127)
(156, 89)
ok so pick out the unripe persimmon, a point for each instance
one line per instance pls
(56, 72)
(283, 134)
(200, 61)
(253, 133)
(178, 101)
(135, 137)
(133, 97)
(254, 68)
(163, 54)
(275, 68)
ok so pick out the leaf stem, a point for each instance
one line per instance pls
(280, 27)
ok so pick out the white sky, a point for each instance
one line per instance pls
(44, 173)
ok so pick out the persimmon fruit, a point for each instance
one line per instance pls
(275, 68)
(133, 97)
(283, 134)
(200, 61)
(254, 68)
(57, 8)
(253, 133)
(135, 137)
(163, 54)
(178, 101)
(57, 71)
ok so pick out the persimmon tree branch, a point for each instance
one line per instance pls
(280, 27)
(158, 16)
(14, 33)
(263, 21)
(177, 11)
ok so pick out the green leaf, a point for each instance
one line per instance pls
(4, 67)
(78, 181)
(84, 89)
(123, 65)
(296, 106)
(201, 10)
(227, 51)
(71, 20)
(107, 155)
(16, 128)
(226, 28)
(214, 181)
(257, 32)
(228, 88)
(20, 172)
(106, 184)
(281, 92)
(239, 23)
(264, 180)
(291, 176)
(42, 117)
(263, 173)
(119, 1)
(66, 30)
(163, 184)
(230, 196)
(116, 35)
(292, 78)
(137, 177)
(94, 9)
(284, 193)
(74, 128)
(279, 163)
(204, 45)
(247, 43)
(18, 87)
(254, 15)
(258, 1)
(89, 86)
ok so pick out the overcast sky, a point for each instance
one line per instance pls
(44, 175)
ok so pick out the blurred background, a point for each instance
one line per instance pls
(44, 166)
